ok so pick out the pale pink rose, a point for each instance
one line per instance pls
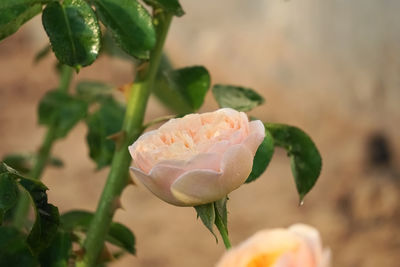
(199, 158)
(298, 246)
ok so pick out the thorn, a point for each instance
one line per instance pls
(125, 89)
(117, 204)
(117, 138)
(80, 253)
(106, 255)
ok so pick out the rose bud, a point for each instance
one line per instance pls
(199, 158)
(298, 246)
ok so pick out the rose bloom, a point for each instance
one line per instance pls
(199, 158)
(298, 246)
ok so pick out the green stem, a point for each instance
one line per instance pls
(22, 207)
(132, 127)
(222, 230)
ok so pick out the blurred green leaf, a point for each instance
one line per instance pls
(130, 24)
(58, 252)
(107, 120)
(118, 234)
(42, 54)
(239, 98)
(20, 162)
(206, 212)
(62, 111)
(183, 90)
(170, 6)
(8, 192)
(262, 158)
(23, 163)
(92, 91)
(14, 252)
(14, 13)
(305, 159)
(74, 32)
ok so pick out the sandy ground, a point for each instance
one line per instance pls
(354, 205)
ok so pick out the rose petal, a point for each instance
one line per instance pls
(203, 186)
(159, 180)
(311, 236)
(255, 137)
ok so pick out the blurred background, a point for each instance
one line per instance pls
(329, 67)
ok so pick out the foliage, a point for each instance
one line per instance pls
(78, 32)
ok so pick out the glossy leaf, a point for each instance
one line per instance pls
(118, 234)
(62, 111)
(58, 252)
(262, 158)
(14, 251)
(92, 91)
(14, 13)
(170, 6)
(74, 32)
(206, 212)
(111, 48)
(107, 120)
(130, 24)
(305, 159)
(183, 90)
(46, 216)
(239, 98)
(8, 192)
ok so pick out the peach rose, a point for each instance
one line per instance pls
(297, 246)
(199, 158)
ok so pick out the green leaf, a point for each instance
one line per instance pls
(206, 212)
(92, 91)
(118, 234)
(14, 13)
(183, 90)
(20, 162)
(111, 48)
(74, 32)
(23, 163)
(221, 211)
(42, 54)
(8, 192)
(170, 6)
(61, 111)
(47, 216)
(262, 158)
(107, 120)
(239, 98)
(305, 159)
(58, 252)
(122, 237)
(130, 24)
(14, 252)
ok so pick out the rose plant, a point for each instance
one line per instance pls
(193, 160)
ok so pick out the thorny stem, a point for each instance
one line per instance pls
(118, 178)
(22, 207)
